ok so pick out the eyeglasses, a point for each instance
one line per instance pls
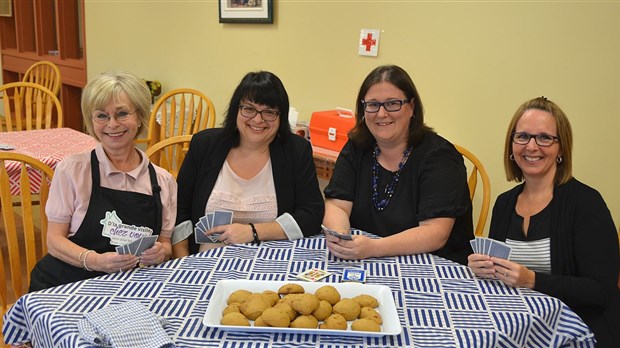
(267, 115)
(101, 117)
(389, 106)
(523, 138)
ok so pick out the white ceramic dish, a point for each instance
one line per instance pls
(387, 308)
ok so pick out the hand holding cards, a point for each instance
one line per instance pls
(207, 222)
(491, 247)
(138, 246)
(336, 234)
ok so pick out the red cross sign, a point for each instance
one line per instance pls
(369, 42)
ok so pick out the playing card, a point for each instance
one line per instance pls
(336, 234)
(203, 224)
(473, 246)
(222, 217)
(313, 274)
(209, 221)
(499, 249)
(120, 249)
(355, 275)
(215, 237)
(145, 243)
(487, 246)
(479, 242)
(133, 246)
(200, 237)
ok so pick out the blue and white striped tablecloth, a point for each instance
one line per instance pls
(440, 303)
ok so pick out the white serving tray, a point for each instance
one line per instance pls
(223, 289)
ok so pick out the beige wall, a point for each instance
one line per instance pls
(473, 62)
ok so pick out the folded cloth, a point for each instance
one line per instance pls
(126, 325)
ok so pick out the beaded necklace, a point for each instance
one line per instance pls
(389, 188)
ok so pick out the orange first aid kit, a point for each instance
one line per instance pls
(329, 129)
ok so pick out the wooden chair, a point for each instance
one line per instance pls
(169, 153)
(180, 112)
(45, 74)
(20, 233)
(472, 181)
(28, 106)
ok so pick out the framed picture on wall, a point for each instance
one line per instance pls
(246, 11)
(6, 9)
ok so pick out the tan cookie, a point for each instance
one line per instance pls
(328, 293)
(334, 322)
(291, 288)
(305, 322)
(235, 319)
(348, 308)
(365, 324)
(366, 301)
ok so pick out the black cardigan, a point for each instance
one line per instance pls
(294, 176)
(584, 255)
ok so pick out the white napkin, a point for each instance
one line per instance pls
(125, 325)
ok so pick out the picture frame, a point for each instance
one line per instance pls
(246, 11)
(6, 8)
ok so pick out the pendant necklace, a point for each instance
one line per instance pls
(389, 188)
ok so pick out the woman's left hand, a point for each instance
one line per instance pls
(358, 248)
(513, 274)
(153, 255)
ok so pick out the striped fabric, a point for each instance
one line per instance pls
(439, 303)
(535, 255)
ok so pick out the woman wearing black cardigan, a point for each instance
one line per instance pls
(563, 238)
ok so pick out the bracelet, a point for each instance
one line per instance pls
(255, 234)
(81, 255)
(84, 265)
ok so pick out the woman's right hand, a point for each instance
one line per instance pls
(111, 262)
(481, 265)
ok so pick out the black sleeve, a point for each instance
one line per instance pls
(186, 181)
(595, 254)
(443, 184)
(309, 205)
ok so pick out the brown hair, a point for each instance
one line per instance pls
(360, 134)
(564, 169)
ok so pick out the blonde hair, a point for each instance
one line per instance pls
(109, 86)
(564, 170)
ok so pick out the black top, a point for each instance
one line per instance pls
(294, 176)
(432, 184)
(584, 255)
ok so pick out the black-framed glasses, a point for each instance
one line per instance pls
(389, 106)
(523, 138)
(101, 117)
(267, 115)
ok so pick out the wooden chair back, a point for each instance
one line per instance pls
(19, 235)
(28, 106)
(472, 181)
(170, 153)
(46, 74)
(181, 111)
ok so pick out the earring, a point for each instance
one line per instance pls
(511, 157)
(559, 159)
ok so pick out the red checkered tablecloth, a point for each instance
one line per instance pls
(49, 146)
